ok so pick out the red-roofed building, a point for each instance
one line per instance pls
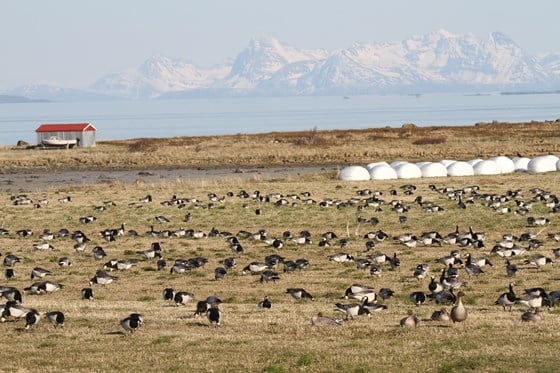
(83, 133)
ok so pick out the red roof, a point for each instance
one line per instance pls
(65, 127)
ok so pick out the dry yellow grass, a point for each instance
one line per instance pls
(299, 148)
(280, 339)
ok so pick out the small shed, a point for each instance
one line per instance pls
(84, 133)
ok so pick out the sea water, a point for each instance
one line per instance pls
(117, 120)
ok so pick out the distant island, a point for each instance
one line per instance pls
(531, 93)
(11, 99)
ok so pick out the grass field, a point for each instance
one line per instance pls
(281, 339)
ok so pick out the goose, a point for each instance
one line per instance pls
(161, 263)
(385, 293)
(379, 258)
(132, 322)
(421, 271)
(9, 273)
(440, 315)
(201, 308)
(10, 293)
(299, 293)
(511, 269)
(64, 262)
(445, 297)
(374, 307)
(352, 309)
(451, 283)
(43, 246)
(375, 270)
(168, 294)
(417, 297)
(471, 268)
(539, 221)
(533, 298)
(269, 275)
(161, 219)
(255, 267)
(319, 319)
(554, 236)
(360, 293)
(24, 232)
(56, 318)
(452, 258)
(394, 262)
(102, 278)
(214, 315)
(410, 321)
(152, 252)
(31, 319)
(182, 298)
(228, 263)
(451, 272)
(362, 263)
(434, 286)
(507, 299)
(12, 309)
(482, 261)
(65, 199)
(273, 260)
(10, 260)
(534, 316)
(538, 261)
(178, 267)
(125, 264)
(87, 219)
(459, 313)
(98, 253)
(265, 303)
(87, 293)
(341, 258)
(219, 273)
(302, 263)
(43, 287)
(39, 272)
(553, 298)
(289, 266)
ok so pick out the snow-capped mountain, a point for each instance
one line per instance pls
(156, 76)
(438, 61)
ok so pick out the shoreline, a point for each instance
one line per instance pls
(43, 181)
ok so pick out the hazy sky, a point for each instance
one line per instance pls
(72, 43)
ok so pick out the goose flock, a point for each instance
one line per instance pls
(441, 282)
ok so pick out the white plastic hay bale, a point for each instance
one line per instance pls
(460, 168)
(447, 162)
(473, 162)
(434, 170)
(373, 164)
(486, 167)
(542, 163)
(395, 164)
(382, 172)
(408, 171)
(505, 164)
(422, 164)
(558, 165)
(521, 164)
(354, 173)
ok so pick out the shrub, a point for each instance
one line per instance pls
(429, 141)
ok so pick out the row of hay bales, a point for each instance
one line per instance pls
(492, 166)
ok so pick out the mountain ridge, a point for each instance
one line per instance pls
(439, 61)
